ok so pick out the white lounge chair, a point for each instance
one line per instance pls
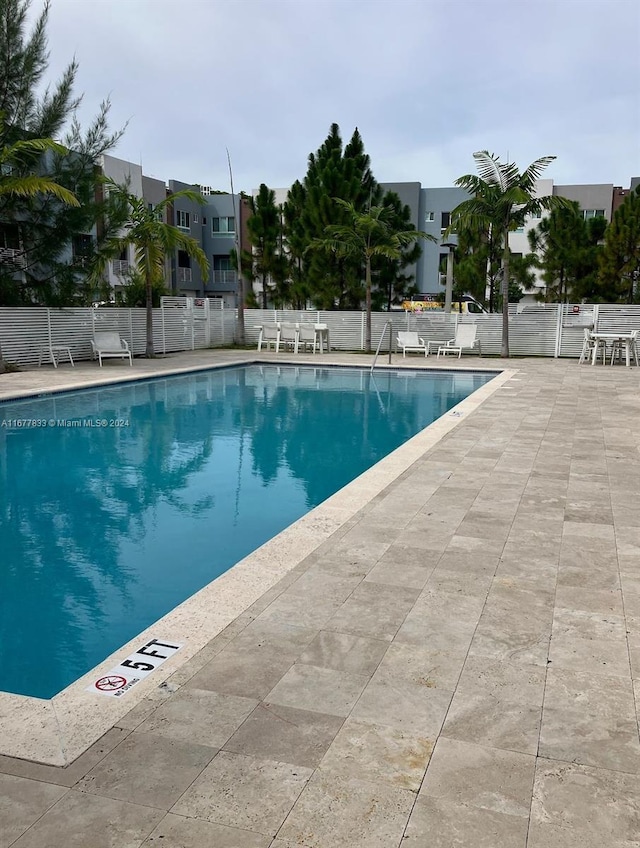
(269, 335)
(289, 336)
(307, 337)
(412, 342)
(465, 340)
(109, 345)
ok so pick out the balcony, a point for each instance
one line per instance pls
(184, 275)
(12, 256)
(225, 278)
(120, 267)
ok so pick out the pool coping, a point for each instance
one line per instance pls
(57, 731)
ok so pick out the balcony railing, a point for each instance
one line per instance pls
(225, 277)
(184, 275)
(12, 256)
(120, 266)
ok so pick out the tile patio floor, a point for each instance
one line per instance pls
(453, 667)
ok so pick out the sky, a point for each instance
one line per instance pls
(426, 82)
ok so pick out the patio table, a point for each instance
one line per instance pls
(627, 339)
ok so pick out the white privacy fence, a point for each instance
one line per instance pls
(180, 324)
(534, 329)
(192, 324)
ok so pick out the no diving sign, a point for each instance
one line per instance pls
(135, 668)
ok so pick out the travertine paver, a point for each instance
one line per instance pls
(244, 792)
(346, 813)
(284, 734)
(174, 831)
(439, 823)
(192, 714)
(479, 776)
(458, 665)
(21, 802)
(79, 818)
(148, 769)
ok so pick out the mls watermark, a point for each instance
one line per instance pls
(62, 423)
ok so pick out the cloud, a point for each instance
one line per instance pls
(426, 83)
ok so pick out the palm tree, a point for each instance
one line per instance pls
(367, 234)
(502, 197)
(15, 183)
(152, 241)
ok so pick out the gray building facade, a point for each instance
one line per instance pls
(436, 205)
(430, 212)
(218, 239)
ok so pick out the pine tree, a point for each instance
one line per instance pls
(333, 172)
(619, 273)
(367, 235)
(476, 263)
(45, 269)
(390, 285)
(296, 243)
(568, 249)
(264, 230)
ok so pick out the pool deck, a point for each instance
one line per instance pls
(452, 662)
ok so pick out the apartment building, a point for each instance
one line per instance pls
(219, 222)
(211, 223)
(431, 210)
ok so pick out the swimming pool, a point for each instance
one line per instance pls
(120, 502)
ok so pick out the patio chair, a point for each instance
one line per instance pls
(588, 346)
(289, 336)
(412, 342)
(109, 345)
(269, 335)
(307, 336)
(465, 339)
(628, 346)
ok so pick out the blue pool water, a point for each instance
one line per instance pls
(119, 503)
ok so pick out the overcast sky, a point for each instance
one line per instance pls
(427, 82)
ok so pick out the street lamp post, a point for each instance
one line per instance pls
(451, 244)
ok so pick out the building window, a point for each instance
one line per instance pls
(593, 213)
(195, 218)
(183, 220)
(445, 220)
(223, 226)
(429, 217)
(9, 236)
(442, 263)
(184, 267)
(222, 263)
(82, 245)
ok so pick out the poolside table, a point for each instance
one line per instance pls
(320, 335)
(628, 339)
(53, 352)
